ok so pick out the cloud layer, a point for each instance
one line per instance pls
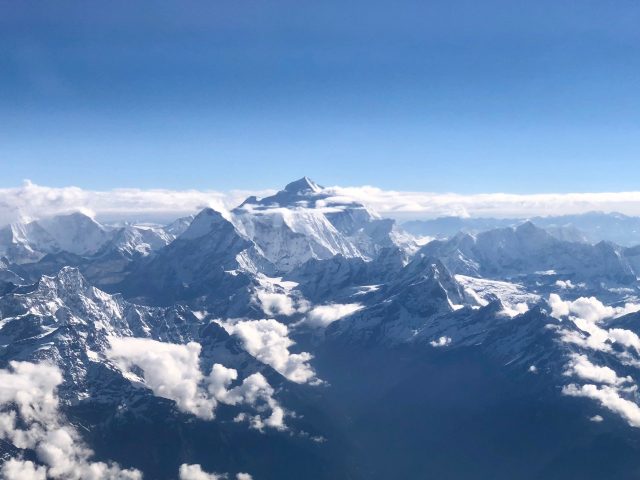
(587, 308)
(427, 205)
(269, 342)
(195, 472)
(324, 315)
(172, 371)
(30, 419)
(32, 201)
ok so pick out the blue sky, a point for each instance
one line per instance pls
(461, 96)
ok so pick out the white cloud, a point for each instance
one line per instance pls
(565, 284)
(596, 418)
(428, 205)
(195, 472)
(30, 419)
(624, 337)
(253, 390)
(31, 201)
(609, 397)
(515, 310)
(441, 342)
(323, 315)
(36, 201)
(275, 303)
(172, 371)
(16, 469)
(587, 314)
(581, 367)
(596, 338)
(269, 342)
(587, 308)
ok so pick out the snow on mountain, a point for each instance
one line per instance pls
(301, 223)
(76, 233)
(422, 292)
(66, 321)
(590, 227)
(527, 249)
(513, 296)
(135, 240)
(79, 234)
(25, 242)
(211, 257)
(265, 311)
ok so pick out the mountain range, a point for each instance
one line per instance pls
(304, 336)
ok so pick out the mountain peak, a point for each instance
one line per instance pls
(301, 190)
(203, 223)
(529, 229)
(303, 185)
(68, 279)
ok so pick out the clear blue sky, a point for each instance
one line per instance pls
(464, 96)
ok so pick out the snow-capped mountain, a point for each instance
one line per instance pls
(81, 235)
(210, 257)
(590, 227)
(527, 249)
(295, 335)
(74, 233)
(303, 222)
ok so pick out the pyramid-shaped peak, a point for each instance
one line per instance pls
(530, 228)
(73, 218)
(205, 222)
(303, 185)
(70, 274)
(68, 279)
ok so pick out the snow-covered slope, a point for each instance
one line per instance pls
(302, 222)
(527, 249)
(343, 333)
(209, 258)
(81, 235)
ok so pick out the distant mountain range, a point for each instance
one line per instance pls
(590, 227)
(299, 336)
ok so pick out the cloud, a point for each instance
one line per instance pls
(441, 342)
(35, 201)
(31, 201)
(596, 338)
(195, 472)
(30, 419)
(515, 309)
(275, 303)
(581, 367)
(565, 284)
(624, 337)
(403, 204)
(253, 390)
(269, 342)
(609, 397)
(323, 315)
(172, 371)
(590, 309)
(15, 469)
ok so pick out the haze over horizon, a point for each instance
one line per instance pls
(31, 201)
